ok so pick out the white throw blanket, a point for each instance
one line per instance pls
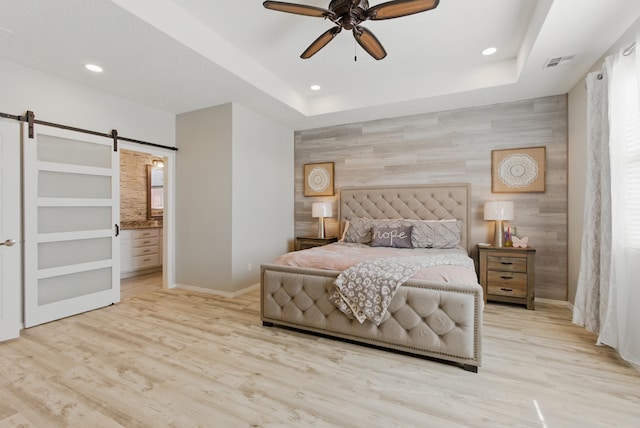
(366, 289)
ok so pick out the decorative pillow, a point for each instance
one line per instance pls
(396, 237)
(360, 229)
(435, 233)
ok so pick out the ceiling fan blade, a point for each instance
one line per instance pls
(298, 9)
(398, 8)
(369, 42)
(320, 42)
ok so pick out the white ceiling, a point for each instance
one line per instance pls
(183, 55)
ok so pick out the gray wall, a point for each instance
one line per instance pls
(203, 198)
(234, 204)
(455, 146)
(577, 172)
(262, 198)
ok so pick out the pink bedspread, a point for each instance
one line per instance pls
(340, 256)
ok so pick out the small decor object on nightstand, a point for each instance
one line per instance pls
(520, 242)
(318, 179)
(507, 274)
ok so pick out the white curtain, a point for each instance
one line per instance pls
(590, 306)
(609, 290)
(622, 327)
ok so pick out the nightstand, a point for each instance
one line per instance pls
(507, 274)
(304, 242)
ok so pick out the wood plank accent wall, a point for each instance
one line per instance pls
(454, 147)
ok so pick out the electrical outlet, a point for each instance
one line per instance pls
(250, 267)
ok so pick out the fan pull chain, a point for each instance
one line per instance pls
(355, 51)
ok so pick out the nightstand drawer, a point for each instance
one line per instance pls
(511, 290)
(511, 279)
(507, 264)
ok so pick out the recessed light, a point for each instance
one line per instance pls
(315, 87)
(489, 51)
(94, 68)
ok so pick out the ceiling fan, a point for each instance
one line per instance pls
(348, 14)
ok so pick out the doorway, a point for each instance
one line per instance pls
(146, 218)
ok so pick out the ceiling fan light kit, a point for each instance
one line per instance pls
(348, 14)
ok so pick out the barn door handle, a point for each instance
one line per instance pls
(8, 242)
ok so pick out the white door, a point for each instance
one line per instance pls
(10, 231)
(71, 213)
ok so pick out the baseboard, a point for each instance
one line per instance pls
(227, 294)
(132, 273)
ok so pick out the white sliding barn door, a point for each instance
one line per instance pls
(71, 204)
(10, 231)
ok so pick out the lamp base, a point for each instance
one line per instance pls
(498, 237)
(321, 227)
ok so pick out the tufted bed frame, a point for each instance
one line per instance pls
(430, 319)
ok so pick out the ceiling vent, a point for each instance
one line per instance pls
(558, 61)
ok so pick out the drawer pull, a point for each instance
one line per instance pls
(146, 260)
(506, 263)
(506, 277)
(507, 289)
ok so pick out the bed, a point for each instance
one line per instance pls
(438, 316)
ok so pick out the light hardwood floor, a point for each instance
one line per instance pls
(184, 359)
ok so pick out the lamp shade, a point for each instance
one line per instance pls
(321, 209)
(498, 210)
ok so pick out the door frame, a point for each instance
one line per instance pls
(11, 280)
(169, 215)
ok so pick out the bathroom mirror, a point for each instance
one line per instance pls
(155, 191)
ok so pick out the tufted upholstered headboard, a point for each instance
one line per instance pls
(419, 202)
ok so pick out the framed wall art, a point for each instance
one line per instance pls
(518, 170)
(318, 179)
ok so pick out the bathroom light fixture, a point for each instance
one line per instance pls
(498, 211)
(94, 68)
(321, 210)
(315, 87)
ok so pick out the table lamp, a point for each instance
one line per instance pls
(498, 211)
(321, 210)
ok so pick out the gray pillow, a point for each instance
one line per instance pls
(359, 231)
(435, 233)
(396, 237)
